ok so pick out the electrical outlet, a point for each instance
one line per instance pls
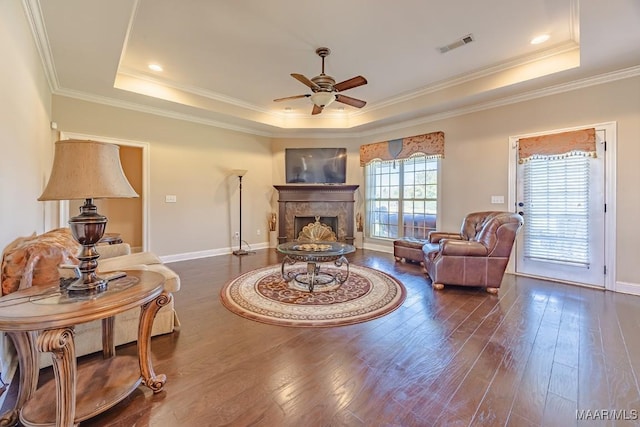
(236, 235)
(258, 232)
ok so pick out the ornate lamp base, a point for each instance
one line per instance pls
(88, 228)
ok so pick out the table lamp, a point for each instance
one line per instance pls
(87, 170)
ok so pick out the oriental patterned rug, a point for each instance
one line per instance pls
(262, 295)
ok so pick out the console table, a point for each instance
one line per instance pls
(79, 392)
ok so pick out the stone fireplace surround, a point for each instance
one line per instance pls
(311, 200)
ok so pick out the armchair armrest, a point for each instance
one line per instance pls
(436, 236)
(111, 251)
(462, 248)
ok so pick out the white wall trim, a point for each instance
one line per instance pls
(628, 288)
(186, 256)
(378, 247)
(146, 179)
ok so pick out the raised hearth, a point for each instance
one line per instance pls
(312, 201)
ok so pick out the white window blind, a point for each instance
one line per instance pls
(556, 198)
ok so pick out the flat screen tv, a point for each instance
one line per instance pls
(316, 165)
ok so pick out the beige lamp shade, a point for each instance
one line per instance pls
(86, 170)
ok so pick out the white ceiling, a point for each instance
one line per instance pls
(225, 61)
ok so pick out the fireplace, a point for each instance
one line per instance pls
(334, 204)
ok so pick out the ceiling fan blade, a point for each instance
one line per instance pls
(305, 81)
(358, 103)
(292, 97)
(351, 83)
(316, 110)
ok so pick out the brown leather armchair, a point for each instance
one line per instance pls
(477, 256)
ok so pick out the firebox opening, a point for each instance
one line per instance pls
(300, 221)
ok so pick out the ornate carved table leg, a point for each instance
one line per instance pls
(63, 354)
(25, 344)
(147, 314)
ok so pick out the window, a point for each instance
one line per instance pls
(556, 197)
(401, 197)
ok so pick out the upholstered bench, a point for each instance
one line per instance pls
(409, 249)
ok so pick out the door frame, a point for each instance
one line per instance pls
(63, 216)
(609, 194)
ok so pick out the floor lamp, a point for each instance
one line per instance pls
(240, 173)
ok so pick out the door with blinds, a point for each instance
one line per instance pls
(561, 196)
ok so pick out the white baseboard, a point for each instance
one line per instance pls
(628, 288)
(253, 247)
(195, 255)
(380, 248)
(210, 252)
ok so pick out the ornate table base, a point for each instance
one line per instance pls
(314, 278)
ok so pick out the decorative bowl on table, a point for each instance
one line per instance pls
(312, 247)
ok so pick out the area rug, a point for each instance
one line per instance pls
(262, 295)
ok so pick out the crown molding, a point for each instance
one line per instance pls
(527, 96)
(34, 17)
(331, 133)
(158, 112)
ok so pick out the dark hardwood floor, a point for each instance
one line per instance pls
(533, 355)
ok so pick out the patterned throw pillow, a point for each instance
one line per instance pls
(33, 261)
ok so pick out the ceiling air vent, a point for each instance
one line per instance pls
(460, 42)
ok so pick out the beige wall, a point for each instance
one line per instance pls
(25, 139)
(477, 154)
(476, 164)
(25, 135)
(192, 162)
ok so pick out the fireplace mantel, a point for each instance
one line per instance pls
(316, 200)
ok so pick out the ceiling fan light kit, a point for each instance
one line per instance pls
(324, 88)
(323, 99)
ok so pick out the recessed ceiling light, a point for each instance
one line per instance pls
(540, 39)
(155, 67)
(288, 109)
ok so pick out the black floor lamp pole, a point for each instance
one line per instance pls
(240, 251)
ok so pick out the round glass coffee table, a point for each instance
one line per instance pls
(314, 254)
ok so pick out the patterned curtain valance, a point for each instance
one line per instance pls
(430, 144)
(573, 143)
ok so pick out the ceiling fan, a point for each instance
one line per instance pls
(324, 88)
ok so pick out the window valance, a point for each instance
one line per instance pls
(430, 144)
(573, 143)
